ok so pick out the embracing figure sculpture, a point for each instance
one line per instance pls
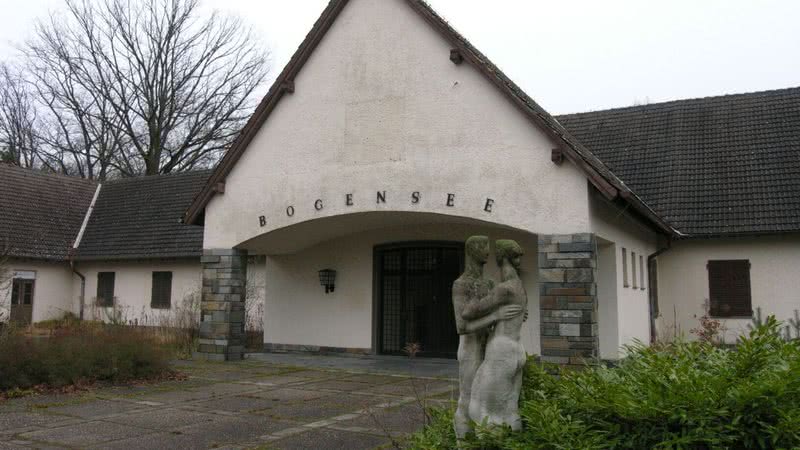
(475, 313)
(496, 386)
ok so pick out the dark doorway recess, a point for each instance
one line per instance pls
(22, 301)
(413, 297)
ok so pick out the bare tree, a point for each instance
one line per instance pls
(143, 87)
(5, 281)
(18, 143)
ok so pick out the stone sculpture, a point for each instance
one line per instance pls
(496, 386)
(474, 314)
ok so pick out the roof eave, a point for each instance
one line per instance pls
(283, 83)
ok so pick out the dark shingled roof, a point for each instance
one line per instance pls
(139, 218)
(708, 166)
(41, 214)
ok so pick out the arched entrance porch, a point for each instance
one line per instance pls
(378, 310)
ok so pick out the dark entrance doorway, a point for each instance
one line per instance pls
(414, 303)
(22, 301)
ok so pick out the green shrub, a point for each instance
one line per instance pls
(683, 395)
(79, 354)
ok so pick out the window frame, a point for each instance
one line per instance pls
(157, 290)
(625, 268)
(18, 286)
(718, 302)
(102, 279)
(641, 272)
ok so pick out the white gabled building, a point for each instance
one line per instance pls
(387, 141)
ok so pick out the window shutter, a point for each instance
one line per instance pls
(161, 295)
(729, 288)
(105, 288)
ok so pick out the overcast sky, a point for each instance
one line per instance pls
(569, 55)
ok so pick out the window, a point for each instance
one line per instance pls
(625, 267)
(729, 288)
(162, 290)
(641, 272)
(105, 288)
(22, 292)
(633, 268)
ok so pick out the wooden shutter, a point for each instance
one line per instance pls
(105, 288)
(729, 288)
(162, 290)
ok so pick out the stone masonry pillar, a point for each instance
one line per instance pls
(568, 298)
(222, 335)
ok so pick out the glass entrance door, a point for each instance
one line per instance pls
(415, 298)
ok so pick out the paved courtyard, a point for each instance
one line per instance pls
(263, 403)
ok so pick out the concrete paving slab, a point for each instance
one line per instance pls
(243, 405)
(163, 419)
(415, 387)
(369, 378)
(345, 385)
(95, 409)
(326, 439)
(291, 394)
(404, 419)
(222, 432)
(84, 434)
(19, 421)
(395, 365)
(237, 403)
(279, 380)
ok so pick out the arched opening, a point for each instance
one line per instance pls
(394, 273)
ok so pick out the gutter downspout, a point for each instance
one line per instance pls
(74, 249)
(652, 272)
(83, 286)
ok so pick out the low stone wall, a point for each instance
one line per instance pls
(314, 349)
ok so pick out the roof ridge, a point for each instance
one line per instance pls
(156, 176)
(37, 172)
(732, 96)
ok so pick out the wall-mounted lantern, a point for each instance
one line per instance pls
(327, 278)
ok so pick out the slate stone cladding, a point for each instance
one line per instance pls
(222, 335)
(568, 298)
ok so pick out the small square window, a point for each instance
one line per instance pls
(162, 290)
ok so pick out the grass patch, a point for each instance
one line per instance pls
(79, 354)
(689, 395)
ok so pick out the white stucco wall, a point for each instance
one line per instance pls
(380, 107)
(623, 312)
(133, 289)
(683, 280)
(299, 312)
(51, 294)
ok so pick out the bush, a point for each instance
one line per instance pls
(82, 353)
(682, 395)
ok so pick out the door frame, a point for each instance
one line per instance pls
(377, 304)
(20, 296)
